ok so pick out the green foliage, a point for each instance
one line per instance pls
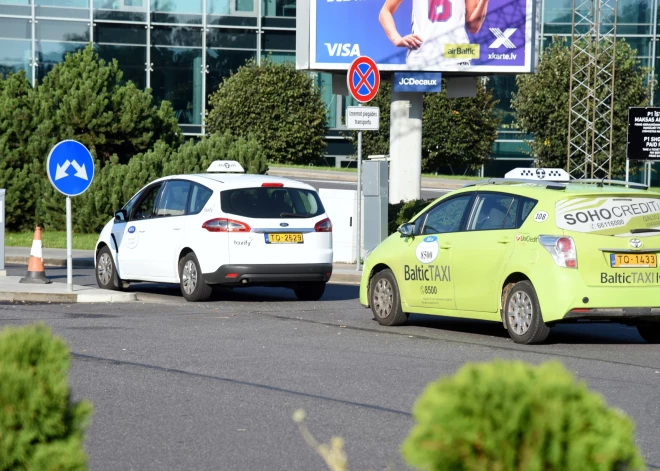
(82, 98)
(514, 416)
(115, 183)
(457, 133)
(40, 427)
(400, 213)
(277, 104)
(541, 103)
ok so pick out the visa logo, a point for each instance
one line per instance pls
(343, 50)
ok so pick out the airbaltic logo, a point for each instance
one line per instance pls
(343, 50)
(502, 38)
(412, 81)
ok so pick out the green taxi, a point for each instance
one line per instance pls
(530, 250)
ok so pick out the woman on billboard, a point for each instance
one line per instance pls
(438, 30)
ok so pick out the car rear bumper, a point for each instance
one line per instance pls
(618, 313)
(269, 274)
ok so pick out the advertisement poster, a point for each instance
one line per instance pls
(478, 36)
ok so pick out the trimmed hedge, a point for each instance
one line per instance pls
(509, 415)
(400, 213)
(40, 427)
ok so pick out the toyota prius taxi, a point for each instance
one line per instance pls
(530, 251)
(221, 228)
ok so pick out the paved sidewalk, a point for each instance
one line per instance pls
(315, 173)
(341, 272)
(13, 291)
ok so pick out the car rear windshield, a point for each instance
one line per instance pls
(271, 203)
(609, 215)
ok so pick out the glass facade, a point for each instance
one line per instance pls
(183, 49)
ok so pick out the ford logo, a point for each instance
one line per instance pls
(430, 239)
(131, 229)
(635, 243)
(284, 224)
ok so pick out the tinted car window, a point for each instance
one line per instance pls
(491, 211)
(527, 206)
(174, 199)
(200, 195)
(446, 216)
(267, 202)
(145, 206)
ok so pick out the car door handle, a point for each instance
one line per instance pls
(504, 240)
(445, 245)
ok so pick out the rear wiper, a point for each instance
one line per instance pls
(641, 231)
(293, 215)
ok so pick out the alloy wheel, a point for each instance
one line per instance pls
(189, 277)
(520, 312)
(104, 268)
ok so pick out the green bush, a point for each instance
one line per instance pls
(40, 428)
(277, 104)
(514, 416)
(400, 213)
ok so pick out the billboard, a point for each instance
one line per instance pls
(474, 36)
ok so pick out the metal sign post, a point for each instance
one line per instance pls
(363, 80)
(65, 158)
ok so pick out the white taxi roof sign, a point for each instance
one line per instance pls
(540, 174)
(225, 166)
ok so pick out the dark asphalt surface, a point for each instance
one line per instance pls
(426, 193)
(213, 385)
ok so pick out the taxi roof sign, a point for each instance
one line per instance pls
(540, 174)
(225, 166)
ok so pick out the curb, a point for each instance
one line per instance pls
(346, 278)
(15, 297)
(51, 262)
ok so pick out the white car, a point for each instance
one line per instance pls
(219, 229)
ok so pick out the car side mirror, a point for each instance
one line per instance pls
(406, 230)
(121, 215)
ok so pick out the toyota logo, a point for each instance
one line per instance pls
(635, 243)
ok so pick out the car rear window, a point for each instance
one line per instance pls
(608, 215)
(271, 203)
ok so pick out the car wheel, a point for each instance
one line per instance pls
(311, 291)
(193, 286)
(106, 271)
(385, 300)
(649, 332)
(523, 315)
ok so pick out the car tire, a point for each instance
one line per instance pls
(310, 291)
(385, 300)
(193, 287)
(649, 332)
(522, 312)
(106, 271)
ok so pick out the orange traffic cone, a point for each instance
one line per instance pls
(36, 272)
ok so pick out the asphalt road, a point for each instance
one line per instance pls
(426, 193)
(213, 385)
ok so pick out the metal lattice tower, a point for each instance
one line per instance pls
(591, 96)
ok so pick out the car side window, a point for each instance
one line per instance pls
(492, 211)
(174, 200)
(145, 207)
(527, 206)
(198, 198)
(446, 216)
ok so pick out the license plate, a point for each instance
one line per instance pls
(284, 238)
(633, 260)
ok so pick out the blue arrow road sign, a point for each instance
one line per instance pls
(70, 167)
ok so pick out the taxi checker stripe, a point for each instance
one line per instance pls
(363, 79)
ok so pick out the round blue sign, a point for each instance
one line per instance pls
(70, 167)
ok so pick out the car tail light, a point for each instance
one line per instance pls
(325, 225)
(562, 250)
(225, 225)
(272, 184)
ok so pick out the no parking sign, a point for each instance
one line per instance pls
(363, 79)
